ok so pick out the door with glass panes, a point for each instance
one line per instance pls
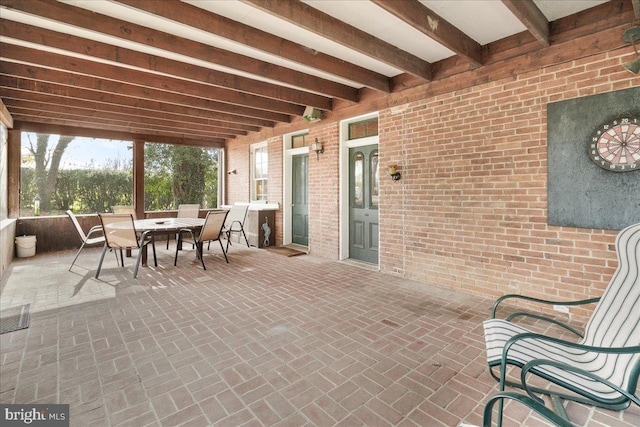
(299, 199)
(363, 203)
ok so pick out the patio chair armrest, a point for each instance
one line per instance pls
(546, 319)
(540, 317)
(146, 237)
(186, 230)
(529, 403)
(575, 369)
(230, 227)
(541, 301)
(95, 229)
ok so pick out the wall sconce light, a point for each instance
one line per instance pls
(232, 172)
(631, 35)
(317, 147)
(393, 172)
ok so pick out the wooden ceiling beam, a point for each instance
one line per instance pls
(141, 78)
(115, 101)
(305, 16)
(156, 64)
(590, 21)
(257, 39)
(528, 13)
(107, 120)
(432, 25)
(90, 122)
(118, 87)
(34, 101)
(95, 22)
(53, 127)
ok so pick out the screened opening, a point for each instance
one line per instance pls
(178, 174)
(86, 175)
(90, 175)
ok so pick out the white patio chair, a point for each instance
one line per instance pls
(86, 238)
(211, 231)
(186, 211)
(600, 369)
(120, 233)
(124, 210)
(235, 222)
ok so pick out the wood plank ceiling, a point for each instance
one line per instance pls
(207, 72)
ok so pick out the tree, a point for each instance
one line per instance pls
(157, 177)
(189, 174)
(43, 157)
(186, 171)
(173, 175)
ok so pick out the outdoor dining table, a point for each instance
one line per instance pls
(165, 225)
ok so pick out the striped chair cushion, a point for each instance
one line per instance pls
(615, 322)
(611, 367)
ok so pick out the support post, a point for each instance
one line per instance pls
(138, 177)
(13, 172)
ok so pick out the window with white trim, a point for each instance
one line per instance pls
(259, 171)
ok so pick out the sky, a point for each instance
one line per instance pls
(87, 152)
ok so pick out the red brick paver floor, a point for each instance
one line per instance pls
(265, 340)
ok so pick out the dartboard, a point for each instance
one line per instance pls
(615, 145)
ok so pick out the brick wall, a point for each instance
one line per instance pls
(238, 159)
(324, 192)
(470, 210)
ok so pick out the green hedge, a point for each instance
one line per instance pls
(81, 190)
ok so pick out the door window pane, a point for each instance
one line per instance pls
(358, 180)
(298, 141)
(374, 179)
(363, 128)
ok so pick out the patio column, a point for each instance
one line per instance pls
(138, 177)
(13, 172)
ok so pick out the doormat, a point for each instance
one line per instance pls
(283, 250)
(14, 318)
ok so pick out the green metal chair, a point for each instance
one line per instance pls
(601, 369)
